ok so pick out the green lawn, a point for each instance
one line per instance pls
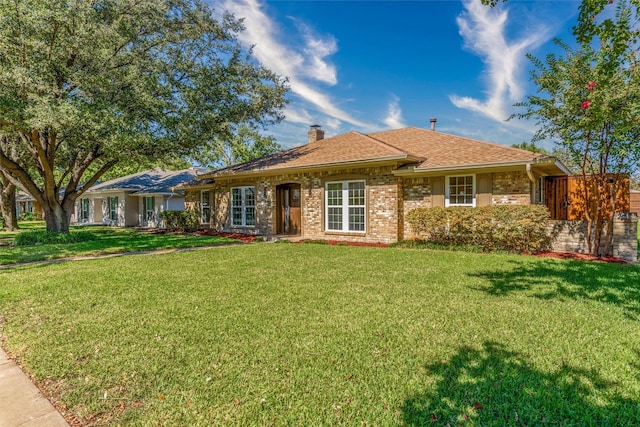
(303, 334)
(109, 240)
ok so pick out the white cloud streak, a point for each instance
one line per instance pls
(394, 114)
(302, 66)
(484, 32)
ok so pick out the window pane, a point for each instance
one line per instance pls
(335, 218)
(334, 194)
(356, 219)
(356, 193)
(250, 216)
(236, 215)
(249, 198)
(236, 196)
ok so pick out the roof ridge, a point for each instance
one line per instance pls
(385, 144)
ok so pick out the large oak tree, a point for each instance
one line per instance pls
(86, 84)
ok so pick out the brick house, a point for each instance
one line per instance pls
(359, 187)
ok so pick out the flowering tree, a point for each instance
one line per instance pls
(588, 101)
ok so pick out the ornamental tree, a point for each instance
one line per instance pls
(588, 102)
(87, 84)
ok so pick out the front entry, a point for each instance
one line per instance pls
(288, 209)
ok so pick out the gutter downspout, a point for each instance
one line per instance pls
(532, 194)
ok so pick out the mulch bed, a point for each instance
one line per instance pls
(581, 257)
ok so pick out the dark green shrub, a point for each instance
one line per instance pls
(42, 237)
(181, 220)
(514, 228)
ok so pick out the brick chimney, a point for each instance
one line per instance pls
(315, 134)
(433, 123)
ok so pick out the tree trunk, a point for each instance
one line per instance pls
(8, 212)
(56, 217)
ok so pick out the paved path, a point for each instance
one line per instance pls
(21, 403)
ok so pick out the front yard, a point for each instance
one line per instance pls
(306, 334)
(108, 240)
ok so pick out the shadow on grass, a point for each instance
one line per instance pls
(546, 279)
(495, 386)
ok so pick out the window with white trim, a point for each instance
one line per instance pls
(461, 190)
(83, 210)
(345, 206)
(243, 209)
(113, 208)
(205, 207)
(148, 209)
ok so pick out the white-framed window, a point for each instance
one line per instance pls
(461, 190)
(205, 207)
(345, 206)
(112, 203)
(83, 210)
(243, 206)
(148, 209)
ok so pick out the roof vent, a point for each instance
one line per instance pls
(315, 134)
(433, 123)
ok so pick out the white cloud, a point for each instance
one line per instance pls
(302, 65)
(484, 32)
(394, 118)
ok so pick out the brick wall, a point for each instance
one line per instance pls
(571, 236)
(389, 199)
(510, 188)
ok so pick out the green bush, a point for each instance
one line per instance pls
(30, 216)
(514, 228)
(181, 220)
(43, 237)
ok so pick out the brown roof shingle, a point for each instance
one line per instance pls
(427, 149)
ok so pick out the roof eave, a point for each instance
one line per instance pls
(326, 165)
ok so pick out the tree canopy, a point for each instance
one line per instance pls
(85, 84)
(588, 102)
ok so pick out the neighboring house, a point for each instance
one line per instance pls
(133, 200)
(359, 187)
(26, 204)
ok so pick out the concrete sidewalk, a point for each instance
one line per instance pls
(21, 403)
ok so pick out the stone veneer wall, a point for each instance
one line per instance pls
(389, 199)
(381, 192)
(571, 236)
(510, 188)
(506, 188)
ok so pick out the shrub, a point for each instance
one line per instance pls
(43, 237)
(515, 228)
(30, 216)
(181, 220)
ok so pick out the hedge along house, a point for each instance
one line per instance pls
(133, 200)
(358, 187)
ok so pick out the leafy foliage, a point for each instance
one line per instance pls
(181, 220)
(85, 85)
(516, 228)
(588, 102)
(42, 237)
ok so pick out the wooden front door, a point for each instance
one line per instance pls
(289, 214)
(557, 196)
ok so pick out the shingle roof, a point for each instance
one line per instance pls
(426, 149)
(444, 150)
(346, 148)
(152, 181)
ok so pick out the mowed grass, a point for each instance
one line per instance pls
(108, 240)
(303, 334)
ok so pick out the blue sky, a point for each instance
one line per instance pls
(377, 65)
